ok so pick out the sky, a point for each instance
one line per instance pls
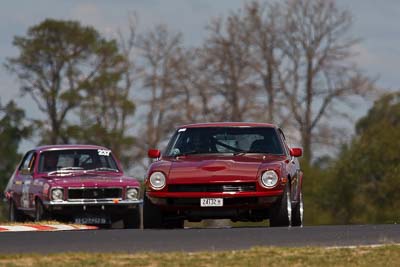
(375, 22)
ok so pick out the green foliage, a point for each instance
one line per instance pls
(75, 76)
(314, 181)
(12, 131)
(364, 185)
(60, 63)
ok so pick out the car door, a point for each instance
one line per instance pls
(23, 181)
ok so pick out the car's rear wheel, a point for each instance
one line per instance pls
(298, 211)
(152, 215)
(281, 212)
(14, 215)
(40, 212)
(132, 219)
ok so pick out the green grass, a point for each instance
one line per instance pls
(388, 255)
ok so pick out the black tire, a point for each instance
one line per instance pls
(174, 224)
(40, 212)
(152, 215)
(297, 214)
(14, 215)
(132, 219)
(281, 212)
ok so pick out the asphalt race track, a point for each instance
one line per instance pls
(196, 239)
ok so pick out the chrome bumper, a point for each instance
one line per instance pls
(93, 202)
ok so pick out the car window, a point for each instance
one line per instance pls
(28, 161)
(79, 159)
(225, 140)
(285, 146)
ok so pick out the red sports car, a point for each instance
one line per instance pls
(237, 171)
(82, 183)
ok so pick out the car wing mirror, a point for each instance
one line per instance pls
(296, 152)
(154, 153)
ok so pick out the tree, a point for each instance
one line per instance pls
(12, 131)
(226, 60)
(264, 22)
(164, 93)
(59, 63)
(317, 75)
(364, 186)
(107, 107)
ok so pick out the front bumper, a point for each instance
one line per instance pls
(92, 202)
(108, 209)
(191, 200)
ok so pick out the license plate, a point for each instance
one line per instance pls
(91, 220)
(211, 202)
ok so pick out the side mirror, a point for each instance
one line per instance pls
(154, 153)
(296, 152)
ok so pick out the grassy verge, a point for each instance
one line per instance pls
(260, 256)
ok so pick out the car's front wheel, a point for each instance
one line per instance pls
(40, 212)
(14, 215)
(281, 212)
(132, 219)
(297, 216)
(152, 215)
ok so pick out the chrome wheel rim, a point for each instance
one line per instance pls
(301, 209)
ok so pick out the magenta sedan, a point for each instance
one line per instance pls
(80, 183)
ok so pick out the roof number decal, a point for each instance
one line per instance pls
(104, 152)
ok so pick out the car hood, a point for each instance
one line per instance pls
(93, 181)
(198, 169)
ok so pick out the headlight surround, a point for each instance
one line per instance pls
(132, 193)
(157, 180)
(57, 194)
(269, 179)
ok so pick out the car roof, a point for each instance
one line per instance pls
(227, 124)
(67, 146)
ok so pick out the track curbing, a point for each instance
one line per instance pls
(45, 227)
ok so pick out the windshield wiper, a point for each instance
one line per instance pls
(104, 169)
(239, 153)
(65, 170)
(70, 169)
(191, 152)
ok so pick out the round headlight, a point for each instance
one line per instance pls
(57, 194)
(269, 179)
(157, 180)
(132, 193)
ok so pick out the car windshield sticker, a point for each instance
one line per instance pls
(104, 152)
(182, 130)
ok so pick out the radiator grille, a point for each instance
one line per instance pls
(237, 187)
(94, 193)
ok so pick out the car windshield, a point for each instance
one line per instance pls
(77, 159)
(236, 140)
